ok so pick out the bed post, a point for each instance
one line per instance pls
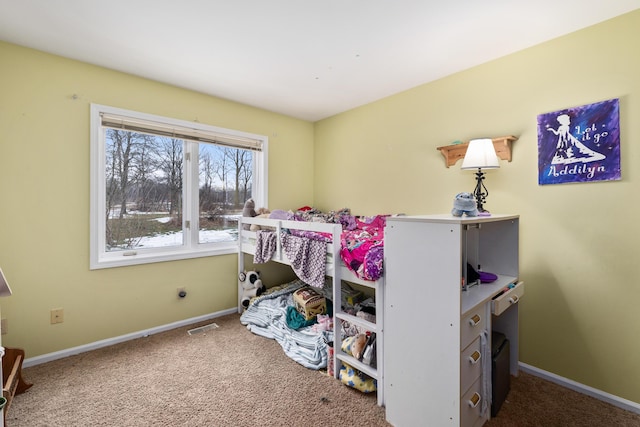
(337, 299)
(240, 264)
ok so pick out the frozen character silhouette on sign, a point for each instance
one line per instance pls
(569, 149)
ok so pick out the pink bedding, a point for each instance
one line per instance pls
(362, 248)
(362, 239)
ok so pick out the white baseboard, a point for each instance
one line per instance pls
(32, 361)
(581, 388)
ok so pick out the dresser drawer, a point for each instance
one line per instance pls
(470, 364)
(506, 299)
(472, 325)
(471, 406)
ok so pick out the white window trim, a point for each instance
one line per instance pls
(99, 258)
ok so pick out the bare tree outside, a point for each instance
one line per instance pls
(207, 170)
(122, 155)
(144, 188)
(217, 165)
(222, 171)
(171, 160)
(239, 159)
(144, 168)
(246, 175)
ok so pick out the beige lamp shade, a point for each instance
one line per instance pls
(481, 154)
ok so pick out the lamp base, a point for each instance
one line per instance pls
(480, 193)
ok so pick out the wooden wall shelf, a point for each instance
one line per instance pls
(454, 152)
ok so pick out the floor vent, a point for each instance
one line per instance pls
(202, 329)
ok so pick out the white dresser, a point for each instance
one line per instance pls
(438, 335)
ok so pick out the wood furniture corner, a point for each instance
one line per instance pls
(454, 152)
(12, 381)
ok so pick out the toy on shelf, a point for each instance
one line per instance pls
(464, 204)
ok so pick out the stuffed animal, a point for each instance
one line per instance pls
(251, 286)
(464, 203)
(325, 323)
(260, 213)
(249, 210)
(356, 379)
(355, 345)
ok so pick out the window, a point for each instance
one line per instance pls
(165, 189)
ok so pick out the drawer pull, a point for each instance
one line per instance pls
(514, 299)
(475, 319)
(475, 399)
(475, 357)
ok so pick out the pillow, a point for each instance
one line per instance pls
(357, 379)
(355, 345)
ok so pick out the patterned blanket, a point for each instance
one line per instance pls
(267, 316)
(362, 248)
(362, 239)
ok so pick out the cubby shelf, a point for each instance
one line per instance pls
(454, 152)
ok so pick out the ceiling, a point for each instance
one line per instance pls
(306, 59)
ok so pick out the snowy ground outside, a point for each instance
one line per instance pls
(175, 239)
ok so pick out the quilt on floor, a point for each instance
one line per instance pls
(267, 316)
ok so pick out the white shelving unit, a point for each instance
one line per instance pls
(437, 335)
(376, 373)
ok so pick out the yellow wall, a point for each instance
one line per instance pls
(579, 317)
(44, 213)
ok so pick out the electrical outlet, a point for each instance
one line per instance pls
(182, 292)
(3, 326)
(57, 315)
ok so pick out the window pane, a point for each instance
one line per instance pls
(144, 177)
(225, 177)
(148, 174)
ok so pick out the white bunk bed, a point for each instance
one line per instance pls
(338, 272)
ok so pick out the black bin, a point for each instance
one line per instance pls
(500, 375)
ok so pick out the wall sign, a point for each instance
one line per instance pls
(580, 144)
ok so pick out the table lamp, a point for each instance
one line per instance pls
(481, 154)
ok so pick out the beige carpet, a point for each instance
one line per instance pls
(230, 377)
